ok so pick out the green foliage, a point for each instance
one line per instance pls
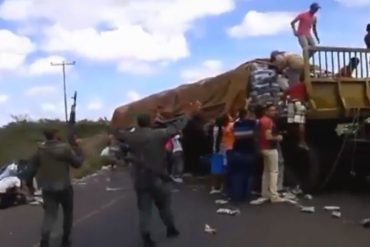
(19, 139)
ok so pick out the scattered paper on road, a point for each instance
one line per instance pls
(221, 202)
(336, 214)
(308, 209)
(308, 197)
(332, 208)
(209, 229)
(113, 189)
(228, 211)
(366, 223)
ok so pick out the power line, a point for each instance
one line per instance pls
(64, 64)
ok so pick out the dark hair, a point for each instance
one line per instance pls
(225, 119)
(144, 120)
(268, 106)
(258, 111)
(368, 27)
(242, 113)
(354, 61)
(50, 134)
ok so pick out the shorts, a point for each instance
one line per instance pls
(306, 41)
(296, 112)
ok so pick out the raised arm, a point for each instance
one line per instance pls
(314, 28)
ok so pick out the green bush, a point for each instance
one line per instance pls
(19, 140)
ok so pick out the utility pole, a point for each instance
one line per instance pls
(64, 64)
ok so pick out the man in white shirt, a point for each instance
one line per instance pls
(177, 159)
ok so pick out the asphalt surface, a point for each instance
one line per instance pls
(109, 218)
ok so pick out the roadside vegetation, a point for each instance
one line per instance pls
(19, 140)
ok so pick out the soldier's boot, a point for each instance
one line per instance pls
(66, 242)
(44, 243)
(148, 241)
(172, 232)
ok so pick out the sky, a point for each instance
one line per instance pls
(128, 49)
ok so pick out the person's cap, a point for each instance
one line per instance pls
(315, 6)
(368, 27)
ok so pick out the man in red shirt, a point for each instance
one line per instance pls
(306, 22)
(268, 140)
(296, 96)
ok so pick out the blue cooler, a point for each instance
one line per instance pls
(217, 164)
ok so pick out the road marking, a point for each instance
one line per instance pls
(88, 216)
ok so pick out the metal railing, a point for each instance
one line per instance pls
(334, 62)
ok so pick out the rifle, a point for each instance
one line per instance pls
(71, 128)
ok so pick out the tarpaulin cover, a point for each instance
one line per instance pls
(219, 94)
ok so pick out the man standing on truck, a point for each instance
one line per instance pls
(306, 22)
(288, 64)
(367, 36)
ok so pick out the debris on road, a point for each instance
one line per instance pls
(289, 196)
(221, 202)
(366, 223)
(336, 214)
(332, 208)
(209, 229)
(308, 209)
(228, 211)
(293, 202)
(113, 189)
(308, 197)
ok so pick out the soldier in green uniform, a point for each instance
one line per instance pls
(148, 157)
(51, 166)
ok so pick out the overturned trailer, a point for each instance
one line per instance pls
(337, 108)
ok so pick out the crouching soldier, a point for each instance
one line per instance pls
(51, 166)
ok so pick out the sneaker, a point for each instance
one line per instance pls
(259, 201)
(278, 200)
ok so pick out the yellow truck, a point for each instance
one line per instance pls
(338, 103)
(336, 128)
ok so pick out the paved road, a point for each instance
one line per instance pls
(109, 218)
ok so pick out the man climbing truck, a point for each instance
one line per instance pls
(335, 105)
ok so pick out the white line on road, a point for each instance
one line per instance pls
(88, 216)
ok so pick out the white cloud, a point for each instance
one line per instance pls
(134, 67)
(354, 3)
(3, 98)
(42, 66)
(95, 104)
(48, 107)
(41, 91)
(13, 49)
(262, 24)
(207, 69)
(116, 30)
(133, 96)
